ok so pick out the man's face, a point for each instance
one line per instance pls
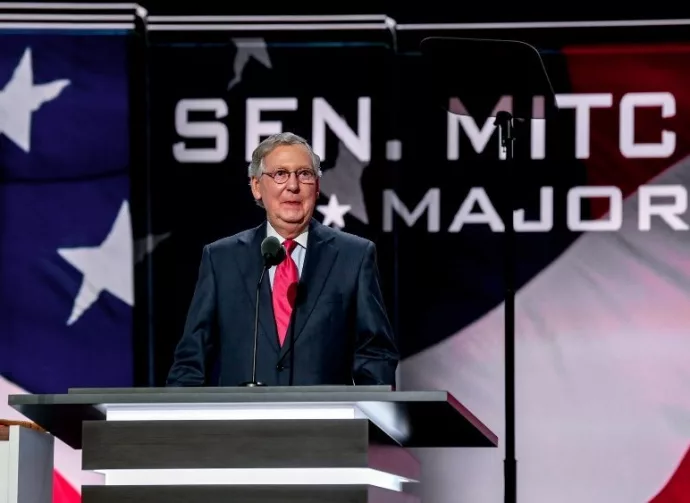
(289, 205)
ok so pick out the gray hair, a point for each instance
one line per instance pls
(256, 167)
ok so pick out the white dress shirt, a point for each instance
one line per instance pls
(297, 254)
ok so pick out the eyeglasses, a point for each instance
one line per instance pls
(281, 176)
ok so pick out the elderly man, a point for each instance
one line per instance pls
(334, 331)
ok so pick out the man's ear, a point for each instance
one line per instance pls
(255, 188)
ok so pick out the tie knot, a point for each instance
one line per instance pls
(289, 245)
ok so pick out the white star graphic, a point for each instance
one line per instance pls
(345, 178)
(248, 48)
(334, 212)
(20, 98)
(145, 246)
(107, 267)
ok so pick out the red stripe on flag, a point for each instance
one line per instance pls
(677, 490)
(63, 492)
(619, 70)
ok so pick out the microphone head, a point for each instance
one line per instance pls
(272, 251)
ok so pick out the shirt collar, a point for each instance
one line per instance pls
(300, 240)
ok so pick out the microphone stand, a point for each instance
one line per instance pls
(527, 80)
(254, 383)
(504, 121)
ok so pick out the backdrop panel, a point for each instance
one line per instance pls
(214, 98)
(65, 307)
(66, 247)
(601, 311)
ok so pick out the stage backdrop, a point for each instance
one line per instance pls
(603, 413)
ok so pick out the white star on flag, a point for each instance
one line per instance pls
(20, 98)
(107, 267)
(334, 212)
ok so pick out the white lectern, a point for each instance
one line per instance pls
(26, 465)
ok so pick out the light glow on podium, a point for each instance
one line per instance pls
(256, 476)
(380, 413)
(228, 411)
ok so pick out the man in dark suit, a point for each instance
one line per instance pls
(322, 316)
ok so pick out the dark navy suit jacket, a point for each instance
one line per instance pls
(340, 333)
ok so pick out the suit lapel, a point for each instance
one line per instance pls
(317, 264)
(251, 266)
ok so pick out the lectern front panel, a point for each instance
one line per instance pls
(245, 494)
(270, 443)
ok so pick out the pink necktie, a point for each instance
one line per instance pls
(285, 290)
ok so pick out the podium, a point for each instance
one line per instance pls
(250, 445)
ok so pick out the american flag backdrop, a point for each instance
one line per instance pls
(66, 288)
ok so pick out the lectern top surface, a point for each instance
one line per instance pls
(330, 394)
(434, 418)
(233, 389)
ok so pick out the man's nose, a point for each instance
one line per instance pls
(293, 182)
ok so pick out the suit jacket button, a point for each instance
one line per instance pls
(279, 368)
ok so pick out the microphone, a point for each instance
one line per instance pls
(272, 253)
